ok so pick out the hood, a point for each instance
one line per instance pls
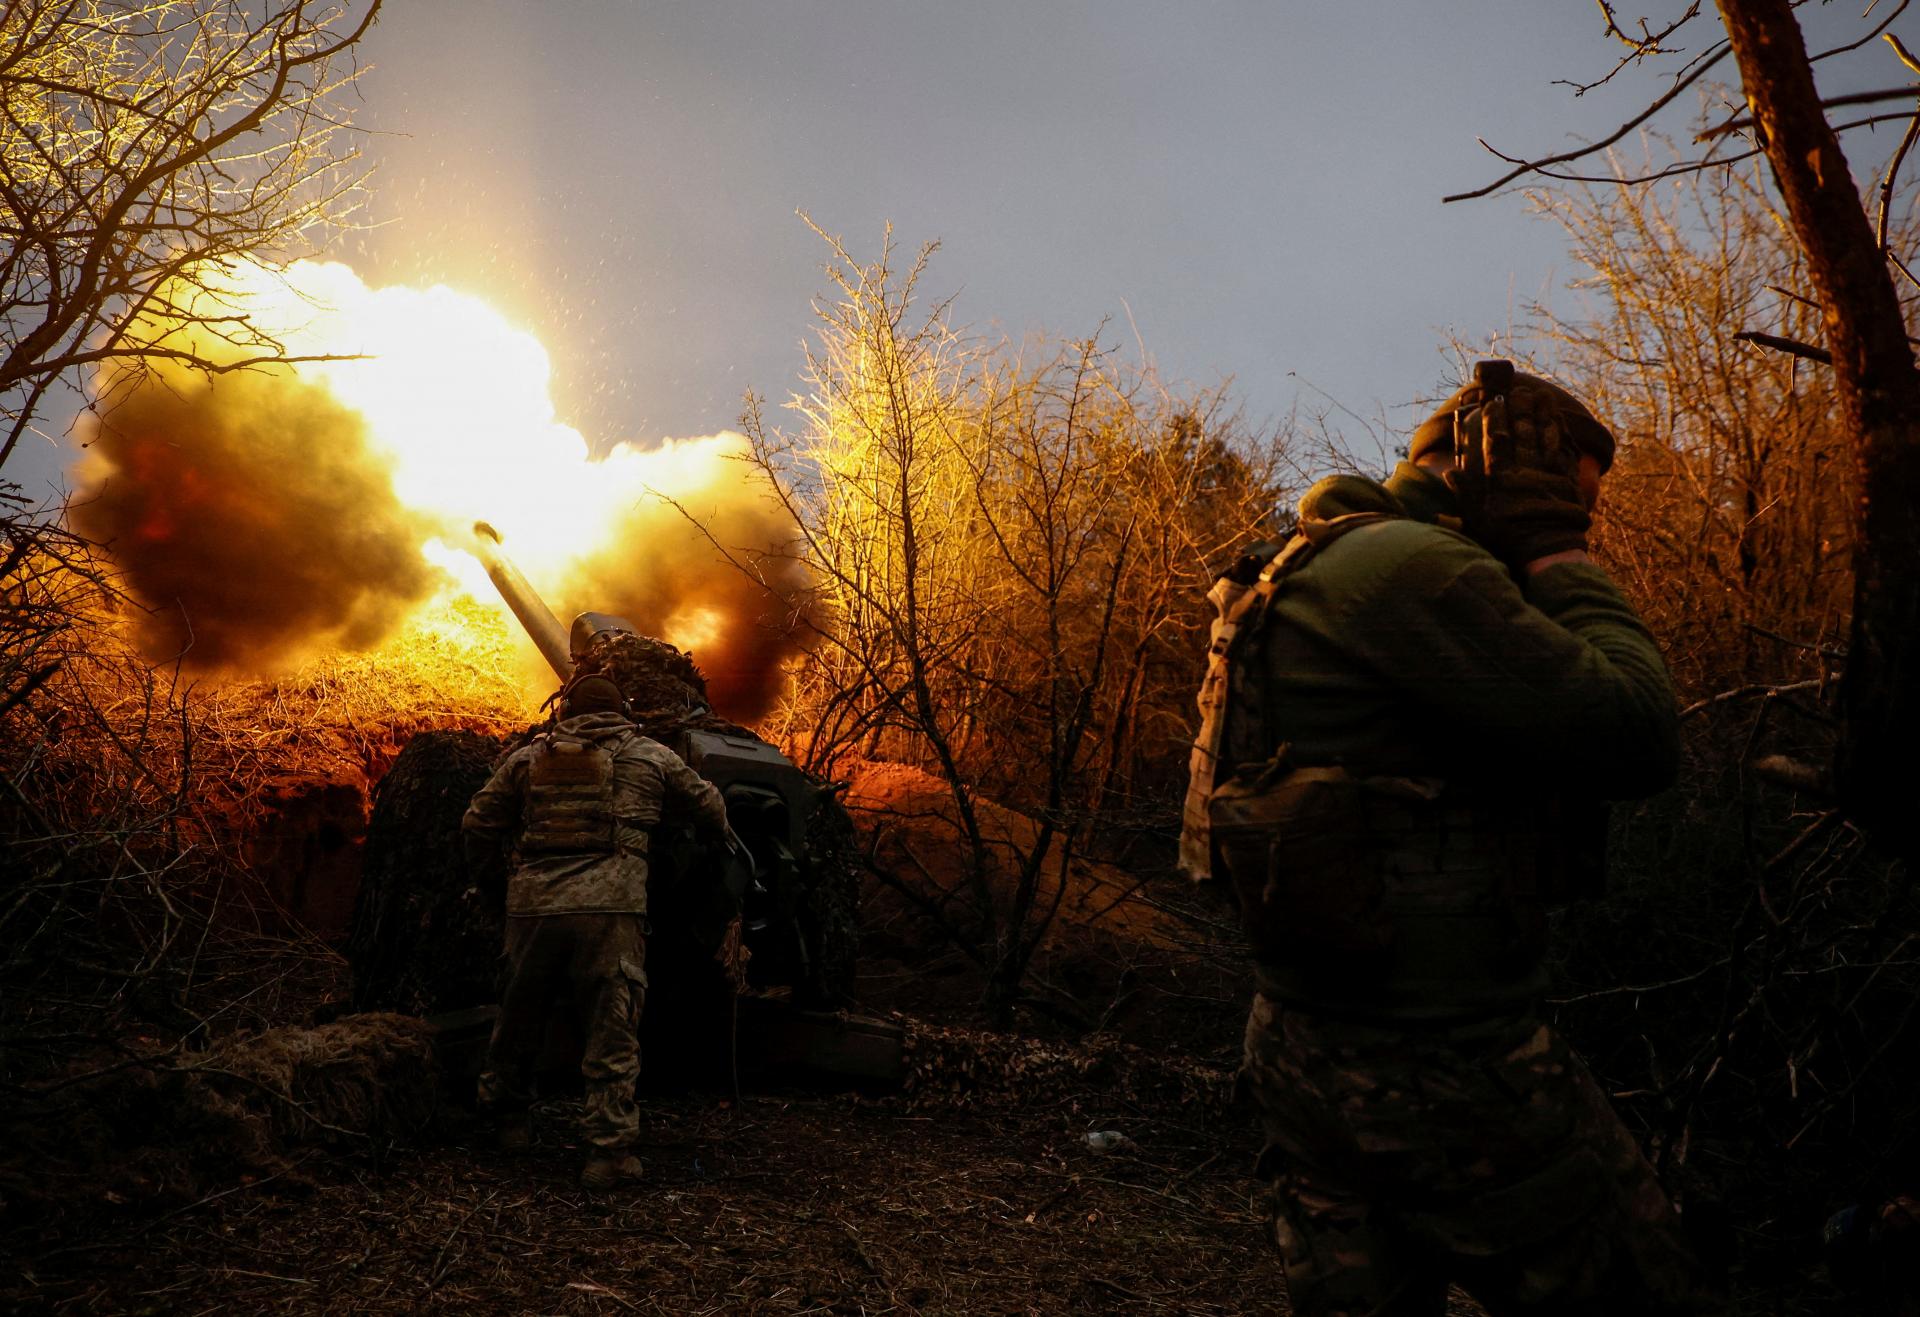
(1341, 496)
(595, 726)
(1424, 495)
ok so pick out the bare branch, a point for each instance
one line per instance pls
(1832, 102)
(1906, 56)
(1718, 53)
(1787, 345)
(1647, 44)
(140, 139)
(1893, 173)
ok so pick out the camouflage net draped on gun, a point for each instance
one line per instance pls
(426, 936)
(667, 690)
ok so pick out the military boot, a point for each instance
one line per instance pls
(605, 1170)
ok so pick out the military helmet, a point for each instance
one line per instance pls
(592, 695)
(1592, 439)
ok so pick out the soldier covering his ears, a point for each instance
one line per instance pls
(576, 806)
(1412, 713)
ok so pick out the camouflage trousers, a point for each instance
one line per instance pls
(595, 965)
(1481, 1154)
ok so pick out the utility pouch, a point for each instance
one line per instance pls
(1232, 599)
(1295, 845)
(1232, 711)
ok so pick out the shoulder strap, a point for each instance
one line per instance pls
(1309, 538)
(1240, 611)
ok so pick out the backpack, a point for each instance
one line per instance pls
(1242, 602)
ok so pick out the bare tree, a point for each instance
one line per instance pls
(146, 146)
(143, 143)
(1852, 269)
(1729, 512)
(1010, 552)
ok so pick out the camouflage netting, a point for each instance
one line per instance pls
(949, 1067)
(667, 691)
(170, 1130)
(426, 936)
(830, 911)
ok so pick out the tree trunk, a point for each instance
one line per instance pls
(1880, 403)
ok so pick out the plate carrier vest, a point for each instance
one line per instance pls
(569, 797)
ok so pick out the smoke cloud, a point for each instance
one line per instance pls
(664, 566)
(249, 513)
(264, 514)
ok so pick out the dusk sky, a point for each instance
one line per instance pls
(1250, 190)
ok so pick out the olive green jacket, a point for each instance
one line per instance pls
(648, 781)
(1405, 647)
(1403, 652)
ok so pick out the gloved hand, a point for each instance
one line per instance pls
(1517, 477)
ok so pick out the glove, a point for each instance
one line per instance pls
(1517, 478)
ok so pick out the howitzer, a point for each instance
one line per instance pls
(769, 800)
(425, 937)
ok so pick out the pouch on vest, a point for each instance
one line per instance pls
(569, 798)
(1294, 843)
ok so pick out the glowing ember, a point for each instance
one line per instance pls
(296, 506)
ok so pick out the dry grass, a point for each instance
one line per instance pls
(138, 926)
(453, 666)
(781, 1204)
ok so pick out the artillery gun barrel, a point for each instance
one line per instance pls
(540, 623)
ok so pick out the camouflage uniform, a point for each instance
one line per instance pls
(1415, 741)
(577, 903)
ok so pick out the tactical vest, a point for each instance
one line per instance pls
(569, 798)
(1240, 608)
(1399, 897)
(1388, 896)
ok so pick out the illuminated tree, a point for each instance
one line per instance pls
(142, 141)
(1009, 555)
(1728, 516)
(1852, 269)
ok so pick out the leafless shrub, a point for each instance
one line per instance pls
(143, 145)
(1011, 549)
(1749, 984)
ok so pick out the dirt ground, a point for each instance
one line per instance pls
(780, 1204)
(977, 1194)
(783, 1203)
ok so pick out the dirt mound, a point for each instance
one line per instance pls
(1134, 952)
(912, 816)
(168, 1130)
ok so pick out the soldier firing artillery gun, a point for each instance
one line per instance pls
(769, 800)
(427, 931)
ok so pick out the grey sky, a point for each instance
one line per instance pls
(1258, 184)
